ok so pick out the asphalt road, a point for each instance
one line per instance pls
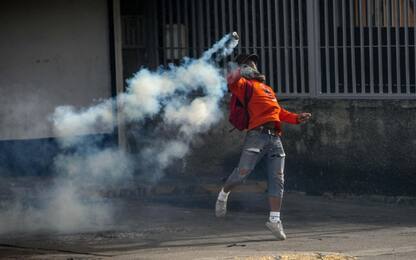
(184, 227)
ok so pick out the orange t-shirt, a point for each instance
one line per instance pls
(263, 106)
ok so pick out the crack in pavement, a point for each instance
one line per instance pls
(53, 250)
(382, 251)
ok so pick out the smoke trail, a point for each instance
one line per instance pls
(222, 48)
(184, 99)
(149, 92)
(166, 93)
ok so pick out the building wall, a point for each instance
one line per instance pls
(52, 53)
(349, 146)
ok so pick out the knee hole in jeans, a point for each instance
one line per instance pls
(244, 171)
(253, 150)
(277, 155)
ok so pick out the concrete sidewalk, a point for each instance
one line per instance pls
(184, 227)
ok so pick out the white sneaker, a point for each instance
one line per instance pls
(276, 229)
(220, 208)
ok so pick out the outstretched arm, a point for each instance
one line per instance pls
(288, 117)
(293, 118)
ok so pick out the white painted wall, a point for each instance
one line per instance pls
(51, 53)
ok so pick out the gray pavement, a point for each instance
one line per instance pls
(184, 227)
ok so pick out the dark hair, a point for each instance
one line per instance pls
(244, 58)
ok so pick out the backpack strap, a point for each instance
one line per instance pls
(248, 93)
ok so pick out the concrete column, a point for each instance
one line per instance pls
(314, 57)
(118, 60)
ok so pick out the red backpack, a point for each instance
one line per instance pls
(239, 116)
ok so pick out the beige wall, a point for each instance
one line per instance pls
(51, 53)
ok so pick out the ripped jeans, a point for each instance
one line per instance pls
(256, 146)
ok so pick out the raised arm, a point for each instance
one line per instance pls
(236, 83)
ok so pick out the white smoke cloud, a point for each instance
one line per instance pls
(222, 48)
(70, 212)
(98, 164)
(194, 118)
(149, 92)
(159, 156)
(69, 122)
(60, 208)
(185, 99)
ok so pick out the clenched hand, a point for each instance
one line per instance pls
(303, 117)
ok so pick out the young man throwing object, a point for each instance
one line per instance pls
(262, 140)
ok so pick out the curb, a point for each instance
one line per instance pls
(290, 256)
(176, 189)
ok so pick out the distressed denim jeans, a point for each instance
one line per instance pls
(256, 146)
